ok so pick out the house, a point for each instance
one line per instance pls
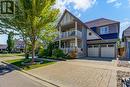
(95, 38)
(3, 47)
(19, 45)
(126, 38)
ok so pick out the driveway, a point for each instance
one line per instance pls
(79, 73)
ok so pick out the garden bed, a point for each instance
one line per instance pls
(120, 76)
(19, 63)
(124, 64)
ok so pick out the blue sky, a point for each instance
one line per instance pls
(86, 10)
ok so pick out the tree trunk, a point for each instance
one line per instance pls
(25, 51)
(33, 51)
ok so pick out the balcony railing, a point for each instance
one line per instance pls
(67, 50)
(71, 33)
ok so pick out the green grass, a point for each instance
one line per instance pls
(11, 55)
(18, 62)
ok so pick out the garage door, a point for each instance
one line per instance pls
(93, 51)
(107, 50)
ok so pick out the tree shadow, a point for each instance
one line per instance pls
(4, 69)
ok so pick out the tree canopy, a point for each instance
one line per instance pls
(34, 20)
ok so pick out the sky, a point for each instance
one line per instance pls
(87, 10)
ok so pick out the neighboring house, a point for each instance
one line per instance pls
(95, 38)
(126, 38)
(3, 47)
(19, 45)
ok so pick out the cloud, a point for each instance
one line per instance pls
(111, 1)
(124, 25)
(77, 14)
(129, 1)
(117, 4)
(81, 5)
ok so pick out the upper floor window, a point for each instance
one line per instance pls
(104, 30)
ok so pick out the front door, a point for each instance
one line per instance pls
(72, 44)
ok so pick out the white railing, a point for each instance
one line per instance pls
(67, 50)
(71, 33)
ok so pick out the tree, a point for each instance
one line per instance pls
(34, 18)
(40, 14)
(10, 42)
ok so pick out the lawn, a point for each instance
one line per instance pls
(18, 62)
(11, 55)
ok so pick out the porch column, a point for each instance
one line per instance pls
(76, 44)
(59, 37)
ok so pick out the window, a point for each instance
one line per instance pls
(111, 45)
(95, 46)
(103, 45)
(104, 30)
(90, 46)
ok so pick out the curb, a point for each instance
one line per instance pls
(19, 69)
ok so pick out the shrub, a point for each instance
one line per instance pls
(58, 53)
(41, 52)
(73, 54)
(46, 53)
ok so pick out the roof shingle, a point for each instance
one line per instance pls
(100, 22)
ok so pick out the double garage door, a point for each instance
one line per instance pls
(104, 50)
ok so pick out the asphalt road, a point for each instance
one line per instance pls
(12, 78)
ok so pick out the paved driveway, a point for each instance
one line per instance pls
(79, 73)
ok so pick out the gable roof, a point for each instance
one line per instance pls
(78, 20)
(126, 32)
(100, 22)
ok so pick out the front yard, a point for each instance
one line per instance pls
(12, 55)
(18, 62)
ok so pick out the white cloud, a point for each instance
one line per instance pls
(111, 1)
(77, 14)
(117, 4)
(129, 1)
(124, 25)
(81, 5)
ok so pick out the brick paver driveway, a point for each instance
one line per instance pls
(78, 73)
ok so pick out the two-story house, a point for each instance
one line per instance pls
(95, 38)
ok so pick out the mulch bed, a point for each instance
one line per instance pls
(120, 75)
(124, 64)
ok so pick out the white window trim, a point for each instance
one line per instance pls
(104, 30)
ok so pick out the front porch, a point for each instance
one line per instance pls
(70, 45)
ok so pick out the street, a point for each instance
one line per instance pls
(11, 78)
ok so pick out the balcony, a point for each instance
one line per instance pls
(73, 33)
